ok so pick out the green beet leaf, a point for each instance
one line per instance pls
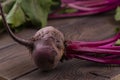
(16, 16)
(117, 43)
(7, 5)
(37, 10)
(19, 12)
(117, 16)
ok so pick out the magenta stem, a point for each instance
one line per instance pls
(94, 44)
(83, 8)
(72, 53)
(80, 1)
(79, 13)
(100, 60)
(111, 57)
(110, 47)
(94, 3)
(106, 60)
(94, 50)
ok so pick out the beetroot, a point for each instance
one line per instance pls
(48, 47)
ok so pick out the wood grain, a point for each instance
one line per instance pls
(90, 28)
(15, 61)
(75, 70)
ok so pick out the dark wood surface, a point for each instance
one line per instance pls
(17, 64)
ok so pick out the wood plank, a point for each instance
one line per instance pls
(75, 70)
(87, 29)
(15, 61)
(1, 78)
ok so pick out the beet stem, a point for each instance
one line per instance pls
(96, 43)
(100, 60)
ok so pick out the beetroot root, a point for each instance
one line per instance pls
(48, 47)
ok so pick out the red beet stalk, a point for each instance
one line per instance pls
(103, 51)
(85, 7)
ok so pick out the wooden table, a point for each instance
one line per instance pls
(17, 64)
